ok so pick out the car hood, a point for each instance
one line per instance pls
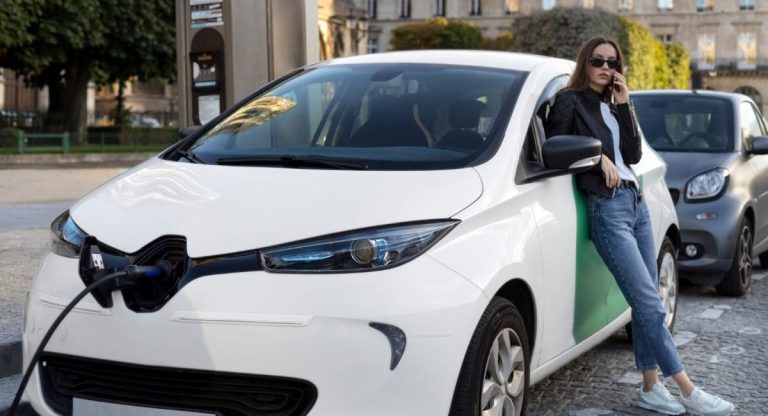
(228, 209)
(682, 166)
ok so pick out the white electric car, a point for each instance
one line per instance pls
(388, 234)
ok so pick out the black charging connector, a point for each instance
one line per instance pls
(99, 282)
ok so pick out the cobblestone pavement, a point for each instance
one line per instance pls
(723, 343)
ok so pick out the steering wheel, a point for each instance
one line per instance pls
(710, 139)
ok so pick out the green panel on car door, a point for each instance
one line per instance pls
(598, 298)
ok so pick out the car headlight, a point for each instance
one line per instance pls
(66, 237)
(707, 185)
(364, 250)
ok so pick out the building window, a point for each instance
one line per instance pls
(372, 9)
(665, 38)
(476, 8)
(625, 5)
(548, 4)
(747, 50)
(511, 6)
(746, 4)
(405, 8)
(373, 44)
(706, 51)
(705, 5)
(588, 4)
(439, 7)
(665, 5)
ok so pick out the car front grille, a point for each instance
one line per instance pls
(64, 377)
(675, 195)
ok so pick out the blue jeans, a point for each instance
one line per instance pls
(620, 229)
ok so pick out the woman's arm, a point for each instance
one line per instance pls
(559, 121)
(631, 149)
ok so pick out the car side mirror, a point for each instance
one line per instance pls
(759, 145)
(565, 155)
(571, 153)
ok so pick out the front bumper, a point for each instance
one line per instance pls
(716, 237)
(303, 326)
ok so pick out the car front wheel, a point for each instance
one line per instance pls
(494, 377)
(738, 279)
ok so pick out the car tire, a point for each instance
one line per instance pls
(495, 373)
(738, 279)
(666, 267)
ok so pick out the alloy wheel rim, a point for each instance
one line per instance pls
(745, 256)
(503, 387)
(668, 286)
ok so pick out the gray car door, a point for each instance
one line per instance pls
(751, 125)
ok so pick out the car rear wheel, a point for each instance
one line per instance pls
(666, 265)
(738, 279)
(494, 377)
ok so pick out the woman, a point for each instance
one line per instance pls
(596, 104)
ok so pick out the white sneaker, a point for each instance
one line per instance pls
(659, 399)
(702, 403)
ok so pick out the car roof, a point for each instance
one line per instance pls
(488, 59)
(702, 93)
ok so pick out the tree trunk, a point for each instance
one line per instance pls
(68, 97)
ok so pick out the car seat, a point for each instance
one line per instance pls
(390, 123)
(464, 117)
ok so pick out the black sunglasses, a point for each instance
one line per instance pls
(598, 63)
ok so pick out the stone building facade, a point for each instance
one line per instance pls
(724, 37)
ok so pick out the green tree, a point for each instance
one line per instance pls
(72, 42)
(438, 33)
(560, 32)
(648, 63)
(680, 70)
(15, 18)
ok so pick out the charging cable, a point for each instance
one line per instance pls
(124, 278)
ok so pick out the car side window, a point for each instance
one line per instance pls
(531, 158)
(749, 124)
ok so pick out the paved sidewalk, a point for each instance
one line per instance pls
(722, 341)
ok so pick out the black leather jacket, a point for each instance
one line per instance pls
(578, 113)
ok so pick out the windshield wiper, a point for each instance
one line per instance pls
(190, 156)
(291, 161)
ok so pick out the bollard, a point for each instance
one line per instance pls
(22, 141)
(65, 142)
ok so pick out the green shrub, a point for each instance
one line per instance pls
(438, 33)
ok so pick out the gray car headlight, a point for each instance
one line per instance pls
(707, 185)
(363, 250)
(66, 237)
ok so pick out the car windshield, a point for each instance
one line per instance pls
(367, 116)
(685, 123)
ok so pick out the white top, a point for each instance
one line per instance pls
(624, 171)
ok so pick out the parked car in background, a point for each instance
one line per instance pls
(715, 147)
(388, 234)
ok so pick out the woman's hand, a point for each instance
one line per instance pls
(620, 90)
(612, 178)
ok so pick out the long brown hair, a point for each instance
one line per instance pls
(580, 79)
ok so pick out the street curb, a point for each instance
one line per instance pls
(10, 358)
(79, 159)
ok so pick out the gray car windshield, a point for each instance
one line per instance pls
(686, 123)
(366, 116)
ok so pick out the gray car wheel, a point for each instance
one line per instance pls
(495, 374)
(738, 279)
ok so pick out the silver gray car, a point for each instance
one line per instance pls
(716, 150)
